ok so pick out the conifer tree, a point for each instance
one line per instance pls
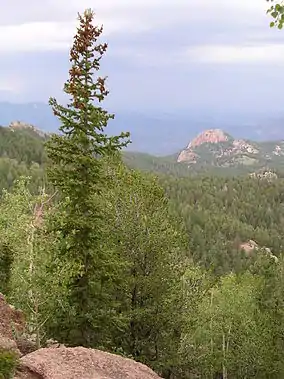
(76, 171)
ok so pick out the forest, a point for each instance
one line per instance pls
(151, 267)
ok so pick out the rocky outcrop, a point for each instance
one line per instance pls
(226, 147)
(208, 136)
(264, 174)
(187, 156)
(250, 246)
(14, 125)
(80, 363)
(58, 361)
(279, 151)
(241, 146)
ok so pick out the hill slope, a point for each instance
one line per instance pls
(21, 153)
(224, 216)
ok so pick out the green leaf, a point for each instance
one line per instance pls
(272, 24)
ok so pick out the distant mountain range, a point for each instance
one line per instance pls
(212, 151)
(215, 151)
(161, 134)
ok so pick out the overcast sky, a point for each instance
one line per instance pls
(163, 55)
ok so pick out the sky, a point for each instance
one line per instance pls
(163, 56)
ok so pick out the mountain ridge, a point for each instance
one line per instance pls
(157, 133)
(218, 148)
(213, 151)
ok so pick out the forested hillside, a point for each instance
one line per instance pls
(184, 274)
(21, 153)
(221, 214)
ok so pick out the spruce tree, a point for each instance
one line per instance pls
(76, 171)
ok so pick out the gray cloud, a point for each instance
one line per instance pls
(148, 63)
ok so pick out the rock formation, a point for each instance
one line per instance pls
(208, 136)
(187, 156)
(250, 246)
(225, 147)
(60, 362)
(80, 363)
(264, 174)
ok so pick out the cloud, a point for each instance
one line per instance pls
(29, 26)
(163, 54)
(32, 27)
(34, 36)
(236, 54)
(48, 35)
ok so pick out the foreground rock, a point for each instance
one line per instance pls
(80, 363)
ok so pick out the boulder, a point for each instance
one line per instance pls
(80, 362)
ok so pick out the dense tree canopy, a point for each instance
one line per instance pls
(222, 213)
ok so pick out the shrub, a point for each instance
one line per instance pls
(8, 364)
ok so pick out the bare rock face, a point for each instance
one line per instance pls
(233, 149)
(187, 156)
(248, 246)
(208, 136)
(80, 363)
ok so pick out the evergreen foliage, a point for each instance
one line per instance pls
(153, 247)
(76, 170)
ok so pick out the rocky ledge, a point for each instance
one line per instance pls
(60, 362)
(79, 362)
